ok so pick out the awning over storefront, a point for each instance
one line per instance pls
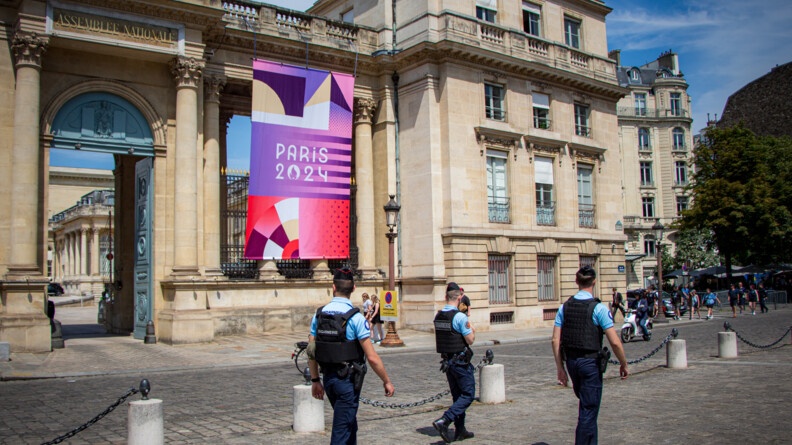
(634, 256)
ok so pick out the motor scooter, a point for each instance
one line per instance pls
(631, 329)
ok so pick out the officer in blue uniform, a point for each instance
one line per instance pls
(339, 343)
(453, 336)
(577, 338)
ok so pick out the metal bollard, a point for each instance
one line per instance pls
(727, 345)
(308, 412)
(676, 354)
(493, 386)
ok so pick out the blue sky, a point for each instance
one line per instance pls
(722, 45)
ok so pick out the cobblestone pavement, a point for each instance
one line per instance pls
(714, 401)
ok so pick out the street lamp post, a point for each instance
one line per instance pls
(391, 216)
(658, 229)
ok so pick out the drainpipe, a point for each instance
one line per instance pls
(397, 154)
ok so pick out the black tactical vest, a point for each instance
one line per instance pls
(578, 331)
(332, 346)
(448, 341)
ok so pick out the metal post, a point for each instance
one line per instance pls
(392, 337)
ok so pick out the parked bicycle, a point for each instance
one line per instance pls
(300, 357)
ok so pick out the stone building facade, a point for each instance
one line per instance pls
(656, 143)
(493, 123)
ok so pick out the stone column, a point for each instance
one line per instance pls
(95, 260)
(364, 178)
(23, 322)
(28, 49)
(83, 252)
(211, 211)
(187, 72)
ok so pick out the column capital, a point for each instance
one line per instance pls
(28, 49)
(213, 86)
(187, 71)
(364, 110)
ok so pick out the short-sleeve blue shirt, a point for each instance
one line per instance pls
(357, 326)
(460, 322)
(602, 317)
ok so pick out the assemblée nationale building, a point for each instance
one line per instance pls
(493, 122)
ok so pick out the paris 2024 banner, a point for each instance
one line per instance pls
(300, 163)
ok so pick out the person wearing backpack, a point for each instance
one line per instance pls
(709, 300)
(339, 344)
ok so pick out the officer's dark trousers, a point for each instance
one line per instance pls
(345, 402)
(462, 383)
(587, 383)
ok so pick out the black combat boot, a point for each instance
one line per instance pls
(462, 434)
(441, 425)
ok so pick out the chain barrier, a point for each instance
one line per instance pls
(145, 387)
(487, 360)
(668, 338)
(727, 326)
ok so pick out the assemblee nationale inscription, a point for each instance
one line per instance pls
(117, 28)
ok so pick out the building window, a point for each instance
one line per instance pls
(541, 111)
(676, 104)
(545, 278)
(545, 205)
(640, 104)
(646, 173)
(650, 247)
(497, 192)
(494, 95)
(532, 18)
(585, 196)
(679, 138)
(499, 279)
(635, 76)
(348, 16)
(643, 139)
(486, 10)
(647, 203)
(572, 32)
(682, 204)
(582, 127)
(680, 173)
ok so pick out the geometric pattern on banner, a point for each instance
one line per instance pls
(300, 163)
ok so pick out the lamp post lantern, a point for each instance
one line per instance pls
(658, 229)
(391, 217)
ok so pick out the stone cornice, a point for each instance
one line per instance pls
(200, 14)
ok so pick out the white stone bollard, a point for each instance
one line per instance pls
(145, 424)
(493, 384)
(676, 354)
(308, 412)
(5, 351)
(727, 344)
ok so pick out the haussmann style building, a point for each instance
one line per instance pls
(493, 123)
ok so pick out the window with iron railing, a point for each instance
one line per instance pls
(646, 174)
(680, 173)
(541, 110)
(586, 215)
(679, 138)
(681, 204)
(498, 266)
(675, 100)
(545, 278)
(643, 139)
(497, 191)
(532, 15)
(585, 196)
(647, 204)
(545, 204)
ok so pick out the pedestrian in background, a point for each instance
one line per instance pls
(734, 300)
(376, 321)
(741, 291)
(677, 299)
(366, 305)
(763, 298)
(339, 344)
(617, 303)
(753, 298)
(709, 300)
(453, 337)
(579, 327)
(694, 304)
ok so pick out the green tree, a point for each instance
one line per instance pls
(697, 248)
(742, 196)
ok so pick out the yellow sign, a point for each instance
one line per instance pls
(84, 23)
(389, 305)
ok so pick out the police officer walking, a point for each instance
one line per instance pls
(339, 344)
(577, 338)
(453, 336)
